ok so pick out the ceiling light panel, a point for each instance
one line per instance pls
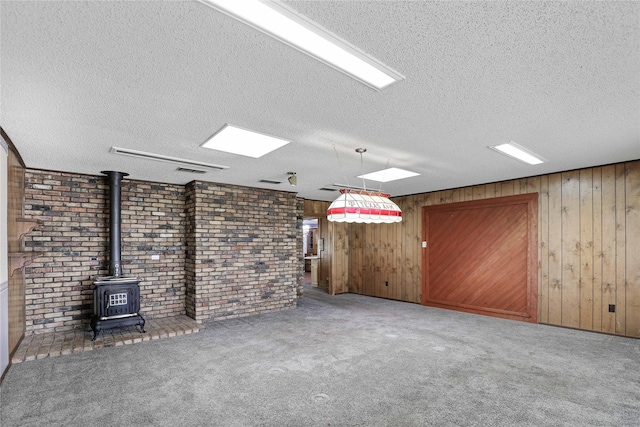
(386, 175)
(518, 152)
(235, 140)
(289, 27)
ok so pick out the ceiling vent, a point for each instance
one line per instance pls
(166, 159)
(269, 181)
(191, 170)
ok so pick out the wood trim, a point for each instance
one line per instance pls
(12, 147)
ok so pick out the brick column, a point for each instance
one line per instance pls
(243, 250)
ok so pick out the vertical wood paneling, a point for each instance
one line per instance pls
(588, 223)
(506, 188)
(396, 275)
(324, 252)
(413, 253)
(380, 262)
(523, 184)
(415, 289)
(554, 297)
(620, 249)
(356, 251)
(490, 190)
(479, 192)
(608, 247)
(586, 249)
(393, 247)
(543, 237)
(339, 265)
(456, 196)
(597, 249)
(468, 194)
(16, 285)
(369, 261)
(387, 256)
(448, 196)
(407, 237)
(570, 249)
(632, 255)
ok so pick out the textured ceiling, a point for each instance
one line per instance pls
(560, 78)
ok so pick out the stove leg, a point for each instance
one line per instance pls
(94, 327)
(142, 324)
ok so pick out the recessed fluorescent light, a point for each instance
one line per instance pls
(387, 175)
(244, 142)
(517, 152)
(289, 27)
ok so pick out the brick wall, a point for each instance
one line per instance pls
(191, 245)
(73, 240)
(245, 249)
(154, 223)
(224, 251)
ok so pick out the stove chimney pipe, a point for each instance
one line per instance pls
(115, 263)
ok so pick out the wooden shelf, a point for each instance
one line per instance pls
(25, 225)
(18, 260)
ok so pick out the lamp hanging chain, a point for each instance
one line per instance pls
(346, 178)
(384, 175)
(364, 185)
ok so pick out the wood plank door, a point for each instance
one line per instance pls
(481, 256)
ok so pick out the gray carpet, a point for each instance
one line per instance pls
(346, 360)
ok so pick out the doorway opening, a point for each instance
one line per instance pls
(312, 253)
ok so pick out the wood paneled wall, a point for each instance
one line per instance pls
(334, 258)
(588, 259)
(15, 200)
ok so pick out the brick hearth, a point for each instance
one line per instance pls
(52, 344)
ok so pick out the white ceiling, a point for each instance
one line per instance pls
(559, 78)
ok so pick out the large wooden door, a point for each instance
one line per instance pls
(481, 256)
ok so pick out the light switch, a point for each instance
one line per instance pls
(424, 244)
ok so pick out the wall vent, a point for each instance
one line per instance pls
(190, 170)
(162, 158)
(269, 181)
(327, 189)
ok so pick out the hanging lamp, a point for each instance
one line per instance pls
(363, 206)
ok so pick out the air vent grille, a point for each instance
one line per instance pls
(191, 170)
(327, 189)
(269, 181)
(167, 159)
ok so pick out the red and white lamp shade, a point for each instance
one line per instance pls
(361, 206)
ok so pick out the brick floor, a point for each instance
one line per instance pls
(40, 346)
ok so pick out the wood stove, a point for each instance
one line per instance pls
(116, 299)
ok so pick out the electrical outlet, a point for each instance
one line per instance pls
(386, 283)
(612, 308)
